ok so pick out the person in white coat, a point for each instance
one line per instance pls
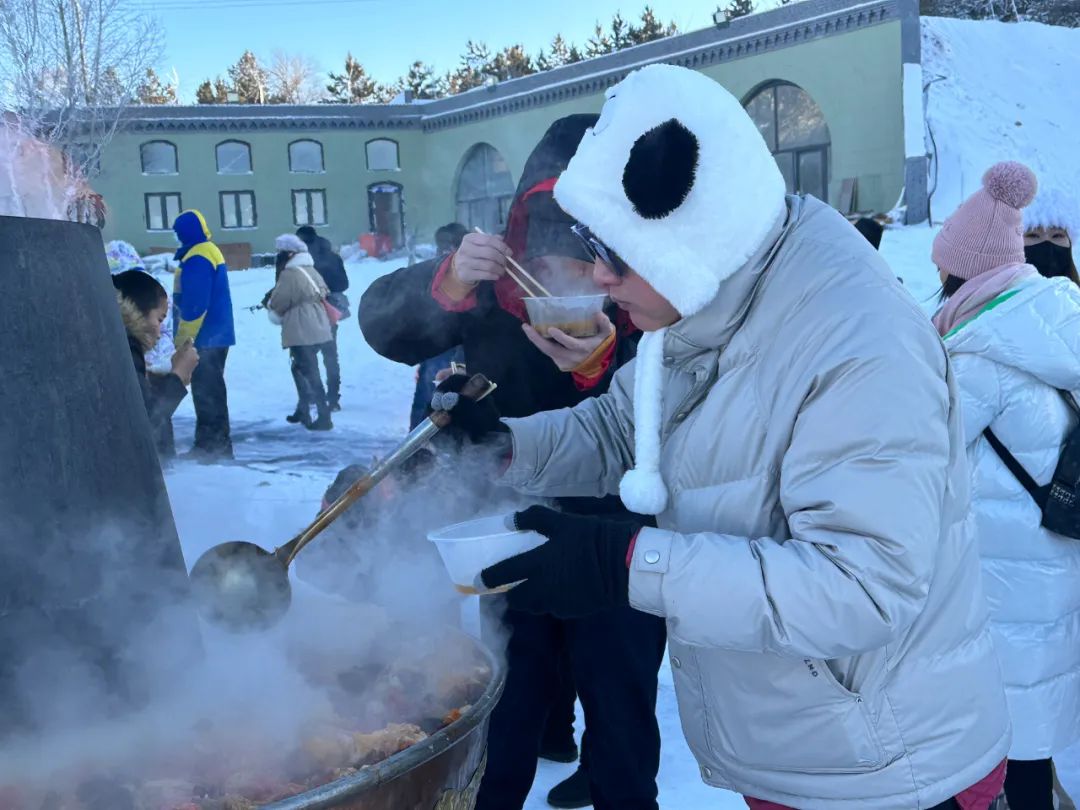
(1014, 340)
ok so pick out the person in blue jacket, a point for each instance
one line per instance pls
(203, 313)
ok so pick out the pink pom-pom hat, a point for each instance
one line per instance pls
(987, 230)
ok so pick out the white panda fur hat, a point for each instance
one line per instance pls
(677, 180)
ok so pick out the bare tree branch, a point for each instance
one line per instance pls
(68, 68)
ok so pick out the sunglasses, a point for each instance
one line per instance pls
(598, 250)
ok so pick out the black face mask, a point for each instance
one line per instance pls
(1049, 259)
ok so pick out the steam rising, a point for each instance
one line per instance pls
(363, 645)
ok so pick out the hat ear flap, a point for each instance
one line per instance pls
(661, 169)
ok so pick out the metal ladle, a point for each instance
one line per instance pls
(241, 586)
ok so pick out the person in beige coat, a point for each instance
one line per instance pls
(298, 303)
(792, 422)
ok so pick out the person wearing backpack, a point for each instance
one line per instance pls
(1014, 339)
(297, 302)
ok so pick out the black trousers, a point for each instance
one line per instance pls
(329, 353)
(309, 387)
(211, 400)
(615, 657)
(1029, 784)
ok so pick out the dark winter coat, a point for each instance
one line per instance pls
(329, 265)
(161, 393)
(401, 321)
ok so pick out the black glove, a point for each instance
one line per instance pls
(476, 420)
(579, 571)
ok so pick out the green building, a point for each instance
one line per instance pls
(831, 84)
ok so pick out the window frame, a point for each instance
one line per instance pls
(397, 154)
(250, 153)
(309, 192)
(795, 152)
(176, 159)
(167, 226)
(254, 210)
(322, 156)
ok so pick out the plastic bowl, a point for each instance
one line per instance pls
(573, 314)
(468, 548)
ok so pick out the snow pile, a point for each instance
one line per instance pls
(999, 91)
(352, 252)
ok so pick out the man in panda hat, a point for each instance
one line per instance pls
(791, 421)
(467, 299)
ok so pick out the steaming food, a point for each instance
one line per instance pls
(575, 314)
(370, 712)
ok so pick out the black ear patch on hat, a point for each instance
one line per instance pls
(660, 172)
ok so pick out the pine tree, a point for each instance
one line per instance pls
(249, 79)
(153, 91)
(739, 8)
(598, 44)
(650, 28)
(422, 82)
(353, 86)
(110, 90)
(559, 54)
(215, 92)
(511, 63)
(475, 63)
(621, 34)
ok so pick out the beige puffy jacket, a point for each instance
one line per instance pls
(828, 630)
(298, 300)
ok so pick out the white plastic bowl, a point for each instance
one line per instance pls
(468, 548)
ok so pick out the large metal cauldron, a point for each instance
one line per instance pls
(441, 773)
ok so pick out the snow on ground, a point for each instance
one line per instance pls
(999, 91)
(276, 485)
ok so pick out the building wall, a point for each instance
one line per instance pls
(854, 76)
(345, 178)
(856, 80)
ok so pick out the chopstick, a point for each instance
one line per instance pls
(524, 279)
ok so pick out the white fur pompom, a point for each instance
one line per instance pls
(644, 492)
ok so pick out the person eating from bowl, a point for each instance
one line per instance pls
(469, 299)
(792, 422)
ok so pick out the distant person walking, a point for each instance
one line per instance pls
(203, 314)
(297, 303)
(329, 265)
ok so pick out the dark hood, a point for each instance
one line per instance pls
(536, 225)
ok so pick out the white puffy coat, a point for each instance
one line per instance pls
(1008, 362)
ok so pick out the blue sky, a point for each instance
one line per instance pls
(203, 37)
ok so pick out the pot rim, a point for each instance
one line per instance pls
(334, 793)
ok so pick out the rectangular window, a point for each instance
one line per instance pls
(309, 206)
(238, 209)
(162, 210)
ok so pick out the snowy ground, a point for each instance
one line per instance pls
(999, 91)
(282, 470)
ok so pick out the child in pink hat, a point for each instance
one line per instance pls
(980, 250)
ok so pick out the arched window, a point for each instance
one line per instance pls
(485, 189)
(233, 157)
(306, 156)
(386, 210)
(382, 155)
(158, 157)
(794, 127)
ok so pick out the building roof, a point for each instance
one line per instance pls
(783, 27)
